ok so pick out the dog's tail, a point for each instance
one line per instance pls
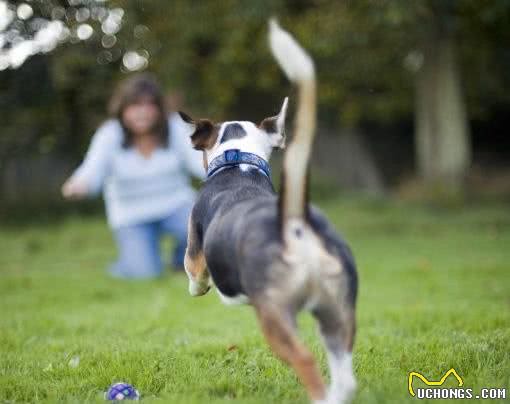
(299, 68)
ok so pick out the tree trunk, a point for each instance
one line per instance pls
(441, 128)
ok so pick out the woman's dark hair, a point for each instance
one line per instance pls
(128, 93)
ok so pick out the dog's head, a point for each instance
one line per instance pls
(214, 138)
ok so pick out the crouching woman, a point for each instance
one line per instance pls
(141, 159)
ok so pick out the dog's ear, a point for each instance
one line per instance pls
(205, 134)
(275, 126)
(186, 118)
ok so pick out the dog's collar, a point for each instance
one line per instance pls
(235, 157)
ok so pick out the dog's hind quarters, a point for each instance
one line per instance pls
(281, 335)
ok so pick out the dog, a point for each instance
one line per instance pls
(274, 251)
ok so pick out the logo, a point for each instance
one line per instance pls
(435, 391)
(429, 383)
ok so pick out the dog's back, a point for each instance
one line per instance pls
(231, 205)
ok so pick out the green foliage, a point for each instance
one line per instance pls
(434, 290)
(216, 54)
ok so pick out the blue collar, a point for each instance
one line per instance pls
(235, 157)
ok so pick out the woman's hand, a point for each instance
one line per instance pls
(74, 188)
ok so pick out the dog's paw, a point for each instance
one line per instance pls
(198, 288)
(342, 394)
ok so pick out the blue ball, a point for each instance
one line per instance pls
(122, 391)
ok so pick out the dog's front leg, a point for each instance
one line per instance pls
(199, 278)
(195, 264)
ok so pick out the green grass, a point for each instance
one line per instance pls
(434, 294)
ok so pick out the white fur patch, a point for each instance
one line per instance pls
(291, 57)
(256, 141)
(231, 301)
(247, 167)
(343, 383)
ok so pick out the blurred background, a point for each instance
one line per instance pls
(414, 95)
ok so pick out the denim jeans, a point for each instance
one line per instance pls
(139, 249)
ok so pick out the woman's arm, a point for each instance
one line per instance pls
(180, 139)
(89, 177)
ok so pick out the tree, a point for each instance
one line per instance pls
(442, 138)
(379, 61)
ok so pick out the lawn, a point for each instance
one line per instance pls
(434, 294)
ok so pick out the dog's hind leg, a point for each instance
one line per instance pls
(337, 327)
(280, 332)
(195, 264)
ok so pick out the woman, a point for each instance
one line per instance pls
(141, 160)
